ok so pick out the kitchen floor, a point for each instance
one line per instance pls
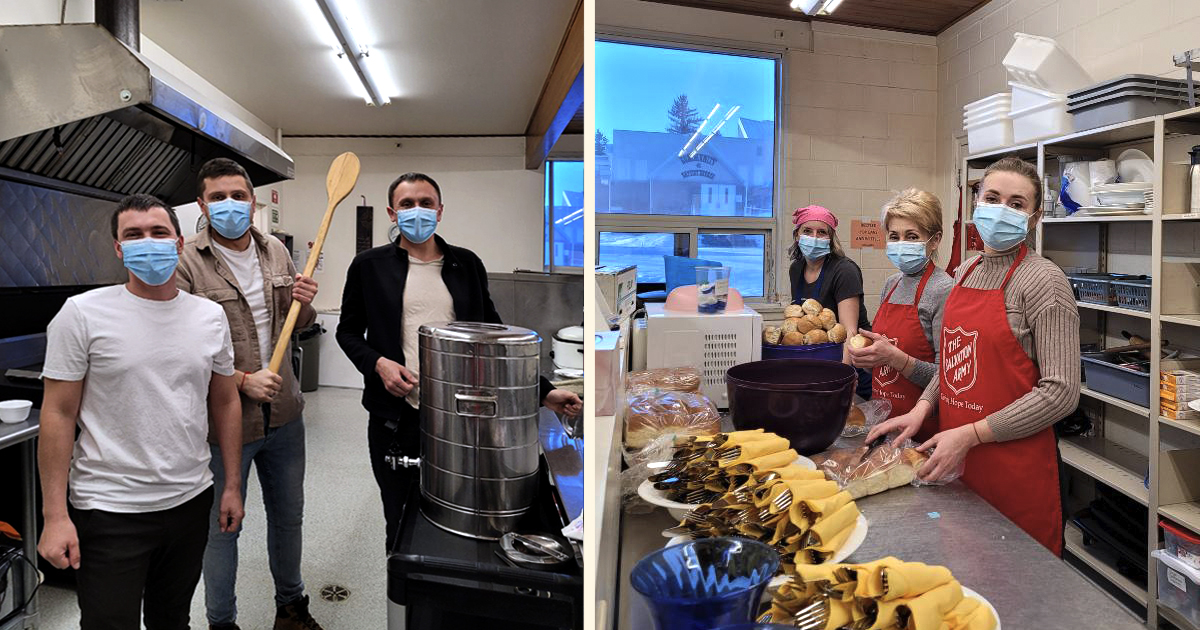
(343, 532)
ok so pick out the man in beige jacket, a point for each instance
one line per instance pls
(252, 277)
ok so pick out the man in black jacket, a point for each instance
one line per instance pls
(390, 292)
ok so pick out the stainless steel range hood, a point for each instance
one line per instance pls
(81, 107)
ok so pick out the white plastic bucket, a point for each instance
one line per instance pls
(1026, 96)
(1042, 63)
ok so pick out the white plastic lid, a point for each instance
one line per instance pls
(1177, 564)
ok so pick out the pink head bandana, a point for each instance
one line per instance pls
(814, 213)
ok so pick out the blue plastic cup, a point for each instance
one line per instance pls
(705, 584)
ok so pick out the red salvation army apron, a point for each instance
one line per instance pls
(983, 370)
(901, 324)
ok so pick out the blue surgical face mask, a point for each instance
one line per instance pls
(908, 256)
(417, 224)
(999, 226)
(152, 260)
(813, 248)
(229, 217)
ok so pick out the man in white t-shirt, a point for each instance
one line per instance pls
(252, 277)
(139, 369)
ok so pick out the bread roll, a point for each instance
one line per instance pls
(816, 322)
(828, 319)
(913, 457)
(793, 339)
(772, 334)
(793, 310)
(837, 334)
(788, 326)
(815, 337)
(803, 325)
(811, 307)
(859, 341)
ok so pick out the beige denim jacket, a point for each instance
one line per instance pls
(203, 273)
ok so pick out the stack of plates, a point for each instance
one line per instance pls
(1124, 195)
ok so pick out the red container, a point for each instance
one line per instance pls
(803, 400)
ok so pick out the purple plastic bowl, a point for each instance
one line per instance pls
(803, 400)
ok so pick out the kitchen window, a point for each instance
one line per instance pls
(686, 158)
(563, 234)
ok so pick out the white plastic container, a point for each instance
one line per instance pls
(988, 135)
(1026, 96)
(995, 111)
(984, 103)
(1045, 120)
(1042, 63)
(1178, 586)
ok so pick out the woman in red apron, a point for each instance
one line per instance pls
(1009, 364)
(902, 357)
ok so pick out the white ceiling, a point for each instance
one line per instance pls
(459, 66)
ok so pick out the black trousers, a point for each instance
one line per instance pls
(127, 561)
(398, 436)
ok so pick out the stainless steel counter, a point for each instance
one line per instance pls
(949, 526)
(21, 435)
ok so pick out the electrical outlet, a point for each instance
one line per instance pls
(778, 33)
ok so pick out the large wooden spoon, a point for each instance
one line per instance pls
(343, 174)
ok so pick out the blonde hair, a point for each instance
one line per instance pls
(918, 206)
(1014, 164)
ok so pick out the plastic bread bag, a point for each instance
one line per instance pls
(650, 413)
(680, 379)
(864, 415)
(864, 471)
(953, 474)
(658, 450)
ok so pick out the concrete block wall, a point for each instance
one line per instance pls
(862, 108)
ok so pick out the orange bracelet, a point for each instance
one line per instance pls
(243, 383)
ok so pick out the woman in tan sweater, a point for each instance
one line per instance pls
(1009, 363)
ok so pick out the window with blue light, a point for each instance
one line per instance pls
(685, 151)
(563, 237)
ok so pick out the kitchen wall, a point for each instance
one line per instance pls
(493, 205)
(1108, 38)
(860, 111)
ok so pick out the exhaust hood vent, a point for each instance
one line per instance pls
(82, 108)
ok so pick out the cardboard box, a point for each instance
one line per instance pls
(618, 287)
(1186, 413)
(1179, 395)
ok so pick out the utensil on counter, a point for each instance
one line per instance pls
(343, 175)
(533, 550)
(704, 584)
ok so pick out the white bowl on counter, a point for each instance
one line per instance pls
(14, 411)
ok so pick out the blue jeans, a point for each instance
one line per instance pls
(279, 460)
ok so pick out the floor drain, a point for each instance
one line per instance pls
(335, 593)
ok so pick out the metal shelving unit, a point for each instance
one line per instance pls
(1100, 459)
(1073, 543)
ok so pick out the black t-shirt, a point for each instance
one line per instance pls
(841, 279)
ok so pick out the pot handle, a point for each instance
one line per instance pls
(475, 405)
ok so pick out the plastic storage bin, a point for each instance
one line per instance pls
(1182, 544)
(1134, 294)
(999, 98)
(1026, 96)
(1116, 381)
(1122, 106)
(992, 134)
(1043, 63)
(1093, 288)
(991, 113)
(1178, 586)
(1170, 88)
(1046, 120)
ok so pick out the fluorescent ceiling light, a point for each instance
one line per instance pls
(815, 7)
(353, 51)
(699, 130)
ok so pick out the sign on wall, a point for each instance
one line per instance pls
(867, 234)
